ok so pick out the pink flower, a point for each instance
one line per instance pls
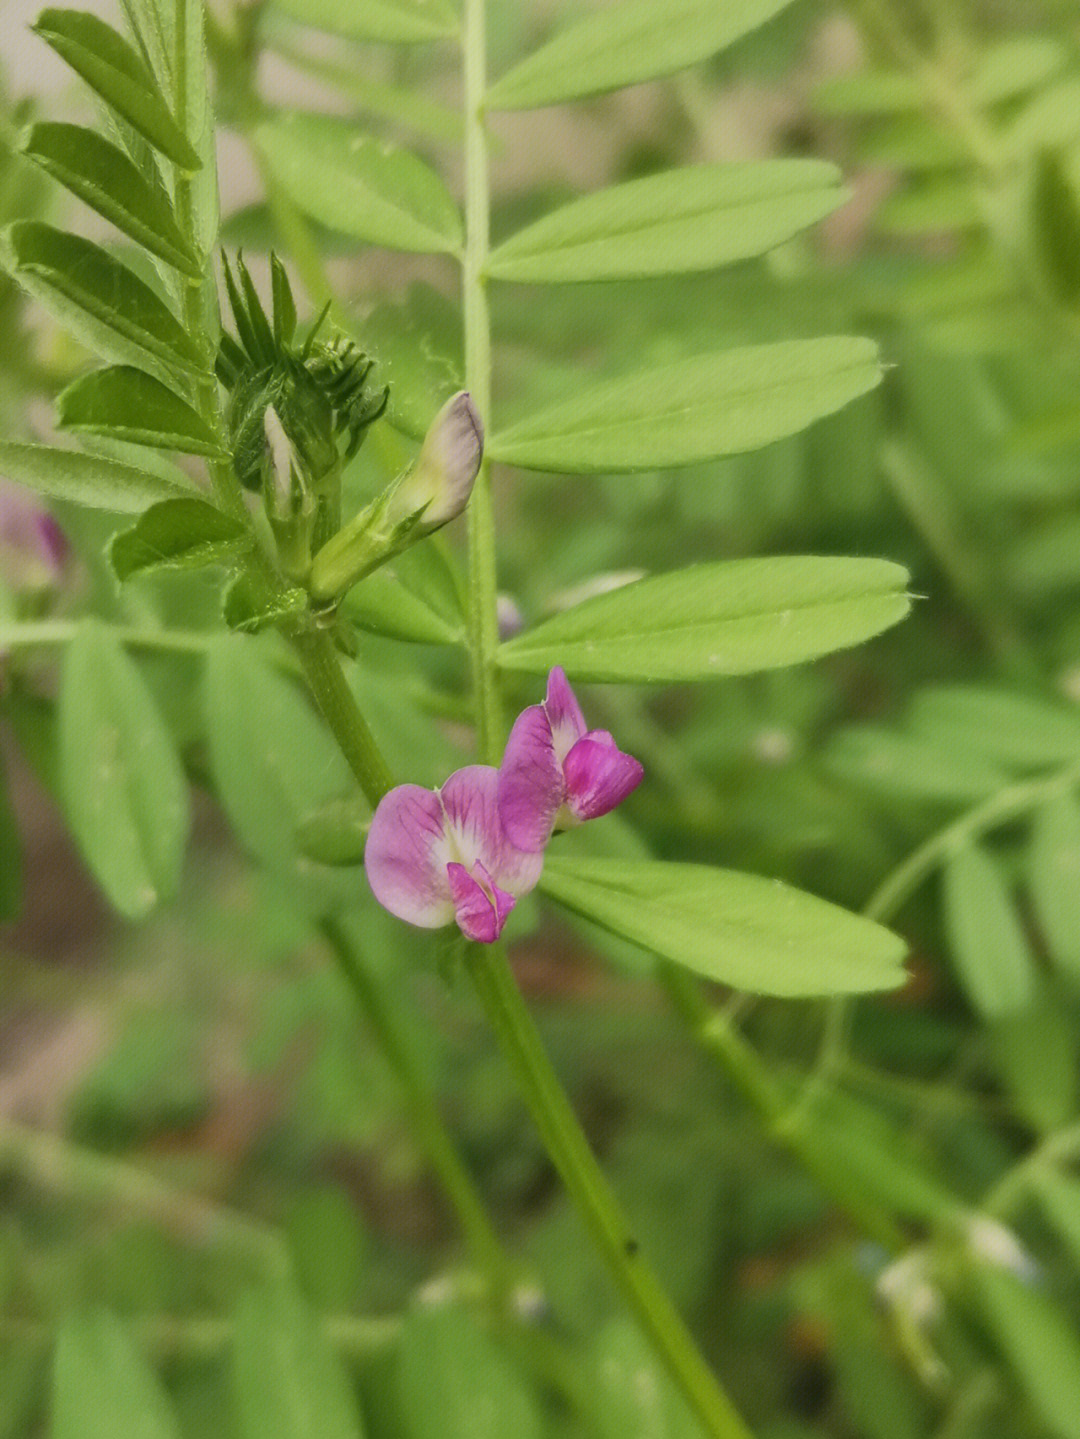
(32, 547)
(556, 773)
(433, 856)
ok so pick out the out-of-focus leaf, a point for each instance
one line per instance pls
(1036, 1052)
(103, 177)
(288, 1381)
(868, 92)
(624, 44)
(1045, 558)
(453, 1382)
(1013, 730)
(328, 1242)
(694, 409)
(354, 184)
(419, 346)
(177, 533)
(120, 76)
(882, 760)
(939, 203)
(1059, 1196)
(389, 21)
(103, 1388)
(91, 480)
(632, 1394)
(1039, 1343)
(688, 219)
(124, 789)
(990, 952)
(99, 300)
(731, 617)
(271, 757)
(752, 933)
(130, 405)
(913, 143)
(1050, 118)
(1054, 878)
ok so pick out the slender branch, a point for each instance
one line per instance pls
(335, 699)
(56, 1164)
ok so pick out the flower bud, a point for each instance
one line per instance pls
(426, 496)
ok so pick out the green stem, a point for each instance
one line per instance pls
(1001, 807)
(323, 672)
(57, 1165)
(428, 1127)
(570, 1153)
(483, 621)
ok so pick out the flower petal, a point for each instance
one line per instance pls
(530, 781)
(598, 775)
(564, 712)
(470, 802)
(480, 915)
(405, 857)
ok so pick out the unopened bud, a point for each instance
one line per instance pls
(441, 480)
(433, 491)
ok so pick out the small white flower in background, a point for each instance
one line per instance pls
(998, 1245)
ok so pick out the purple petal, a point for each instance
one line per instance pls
(470, 802)
(530, 781)
(564, 712)
(598, 775)
(480, 908)
(406, 856)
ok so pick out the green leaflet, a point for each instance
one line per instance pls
(688, 219)
(128, 404)
(99, 300)
(103, 1388)
(103, 177)
(730, 617)
(389, 21)
(445, 1361)
(154, 25)
(910, 766)
(990, 951)
(120, 76)
(1038, 1341)
(742, 930)
(414, 597)
(695, 409)
(287, 1380)
(177, 533)
(1054, 880)
(354, 184)
(251, 605)
(92, 480)
(626, 43)
(124, 790)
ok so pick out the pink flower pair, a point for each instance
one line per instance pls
(469, 849)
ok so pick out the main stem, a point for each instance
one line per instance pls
(487, 964)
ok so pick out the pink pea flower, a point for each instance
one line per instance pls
(32, 546)
(434, 856)
(556, 773)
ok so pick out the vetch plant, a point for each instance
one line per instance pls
(299, 630)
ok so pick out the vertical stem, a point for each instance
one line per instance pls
(570, 1153)
(322, 669)
(483, 623)
(428, 1127)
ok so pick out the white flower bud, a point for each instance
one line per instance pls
(441, 480)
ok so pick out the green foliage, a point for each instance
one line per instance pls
(733, 618)
(737, 929)
(123, 403)
(124, 790)
(103, 1386)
